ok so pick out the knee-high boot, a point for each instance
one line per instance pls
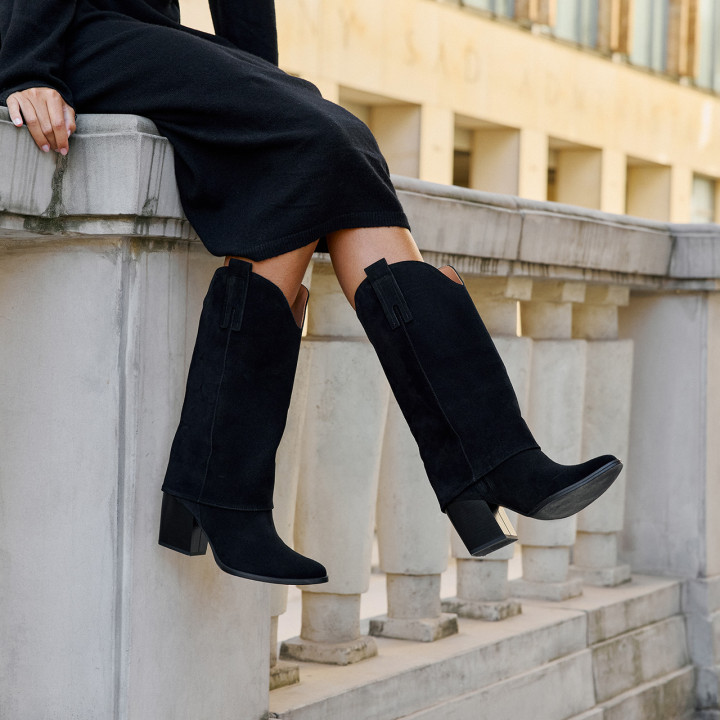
(456, 396)
(221, 474)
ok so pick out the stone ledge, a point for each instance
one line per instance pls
(119, 169)
(119, 179)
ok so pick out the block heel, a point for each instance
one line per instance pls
(482, 527)
(179, 530)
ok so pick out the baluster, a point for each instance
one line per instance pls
(482, 583)
(340, 458)
(413, 539)
(557, 391)
(606, 430)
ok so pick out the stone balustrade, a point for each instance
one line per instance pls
(609, 327)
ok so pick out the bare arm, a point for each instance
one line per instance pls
(32, 52)
(249, 24)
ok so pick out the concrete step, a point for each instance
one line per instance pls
(594, 714)
(670, 697)
(639, 656)
(617, 610)
(623, 627)
(407, 677)
(556, 691)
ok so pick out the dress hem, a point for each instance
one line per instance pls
(287, 243)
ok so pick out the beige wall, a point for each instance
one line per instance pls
(456, 67)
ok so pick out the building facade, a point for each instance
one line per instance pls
(606, 104)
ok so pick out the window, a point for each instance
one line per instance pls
(703, 200)
(577, 20)
(649, 47)
(497, 7)
(709, 66)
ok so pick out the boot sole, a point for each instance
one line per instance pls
(574, 498)
(247, 575)
(265, 578)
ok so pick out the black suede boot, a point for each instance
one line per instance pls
(221, 474)
(456, 396)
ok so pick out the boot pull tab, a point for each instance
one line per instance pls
(388, 292)
(236, 289)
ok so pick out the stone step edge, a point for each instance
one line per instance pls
(581, 659)
(666, 586)
(649, 686)
(556, 635)
(666, 591)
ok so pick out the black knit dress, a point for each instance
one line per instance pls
(263, 163)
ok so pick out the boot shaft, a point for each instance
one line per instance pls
(444, 369)
(238, 393)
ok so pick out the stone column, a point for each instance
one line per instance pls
(649, 191)
(397, 129)
(413, 539)
(557, 397)
(672, 509)
(437, 144)
(608, 384)
(101, 288)
(287, 470)
(579, 177)
(98, 619)
(495, 160)
(482, 583)
(613, 181)
(340, 459)
(533, 168)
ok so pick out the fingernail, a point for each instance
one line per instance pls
(63, 151)
(46, 148)
(17, 121)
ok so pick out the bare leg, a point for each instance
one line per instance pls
(285, 270)
(351, 251)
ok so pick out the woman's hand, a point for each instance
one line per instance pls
(49, 118)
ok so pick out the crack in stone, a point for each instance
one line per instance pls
(49, 220)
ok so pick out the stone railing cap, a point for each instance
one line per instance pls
(119, 180)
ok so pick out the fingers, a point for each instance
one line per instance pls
(56, 117)
(33, 124)
(69, 114)
(49, 119)
(13, 107)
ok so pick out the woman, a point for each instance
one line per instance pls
(268, 173)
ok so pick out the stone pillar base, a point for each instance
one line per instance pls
(341, 653)
(283, 674)
(418, 629)
(602, 577)
(491, 610)
(546, 590)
